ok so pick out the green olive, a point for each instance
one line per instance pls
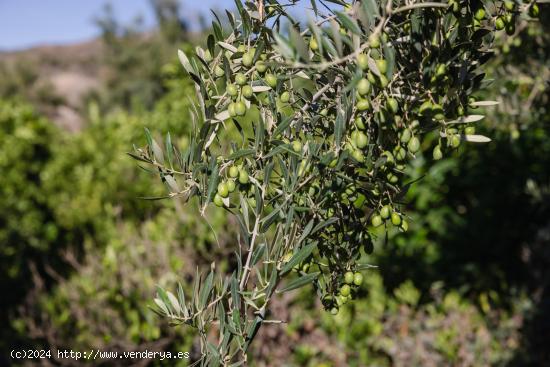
(358, 279)
(231, 185)
(271, 80)
(376, 220)
(392, 105)
(241, 48)
(218, 201)
(406, 136)
(240, 79)
(285, 97)
(363, 87)
(395, 219)
(425, 108)
(358, 156)
(359, 123)
(232, 90)
(470, 130)
(233, 171)
(348, 277)
(247, 59)
(333, 163)
(404, 225)
(414, 145)
(363, 61)
(223, 190)
(243, 177)
(534, 10)
(385, 212)
(207, 56)
(382, 66)
(437, 154)
(441, 70)
(247, 91)
(383, 81)
(479, 14)
(260, 66)
(374, 40)
(509, 5)
(334, 311)
(231, 109)
(455, 141)
(499, 24)
(345, 290)
(313, 45)
(361, 140)
(363, 104)
(240, 108)
(297, 146)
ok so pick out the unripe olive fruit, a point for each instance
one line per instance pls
(231, 185)
(425, 108)
(385, 212)
(376, 220)
(441, 70)
(233, 171)
(363, 104)
(392, 105)
(313, 45)
(534, 10)
(241, 48)
(218, 201)
(341, 300)
(508, 18)
(247, 59)
(247, 91)
(479, 14)
(240, 79)
(358, 279)
(363, 87)
(231, 109)
(374, 41)
(389, 157)
(207, 56)
(382, 66)
(348, 277)
(509, 5)
(334, 311)
(470, 130)
(240, 108)
(218, 71)
(243, 176)
(285, 97)
(404, 225)
(383, 81)
(414, 145)
(260, 66)
(437, 155)
(395, 219)
(455, 141)
(371, 78)
(361, 140)
(271, 80)
(359, 123)
(358, 156)
(345, 290)
(223, 190)
(406, 136)
(400, 154)
(297, 146)
(510, 29)
(232, 90)
(363, 61)
(499, 24)
(333, 163)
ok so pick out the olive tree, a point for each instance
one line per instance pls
(329, 113)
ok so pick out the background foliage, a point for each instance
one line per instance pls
(81, 253)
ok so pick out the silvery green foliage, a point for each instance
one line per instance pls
(328, 117)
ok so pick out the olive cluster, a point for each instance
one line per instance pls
(331, 121)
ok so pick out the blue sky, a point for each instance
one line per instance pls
(26, 23)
